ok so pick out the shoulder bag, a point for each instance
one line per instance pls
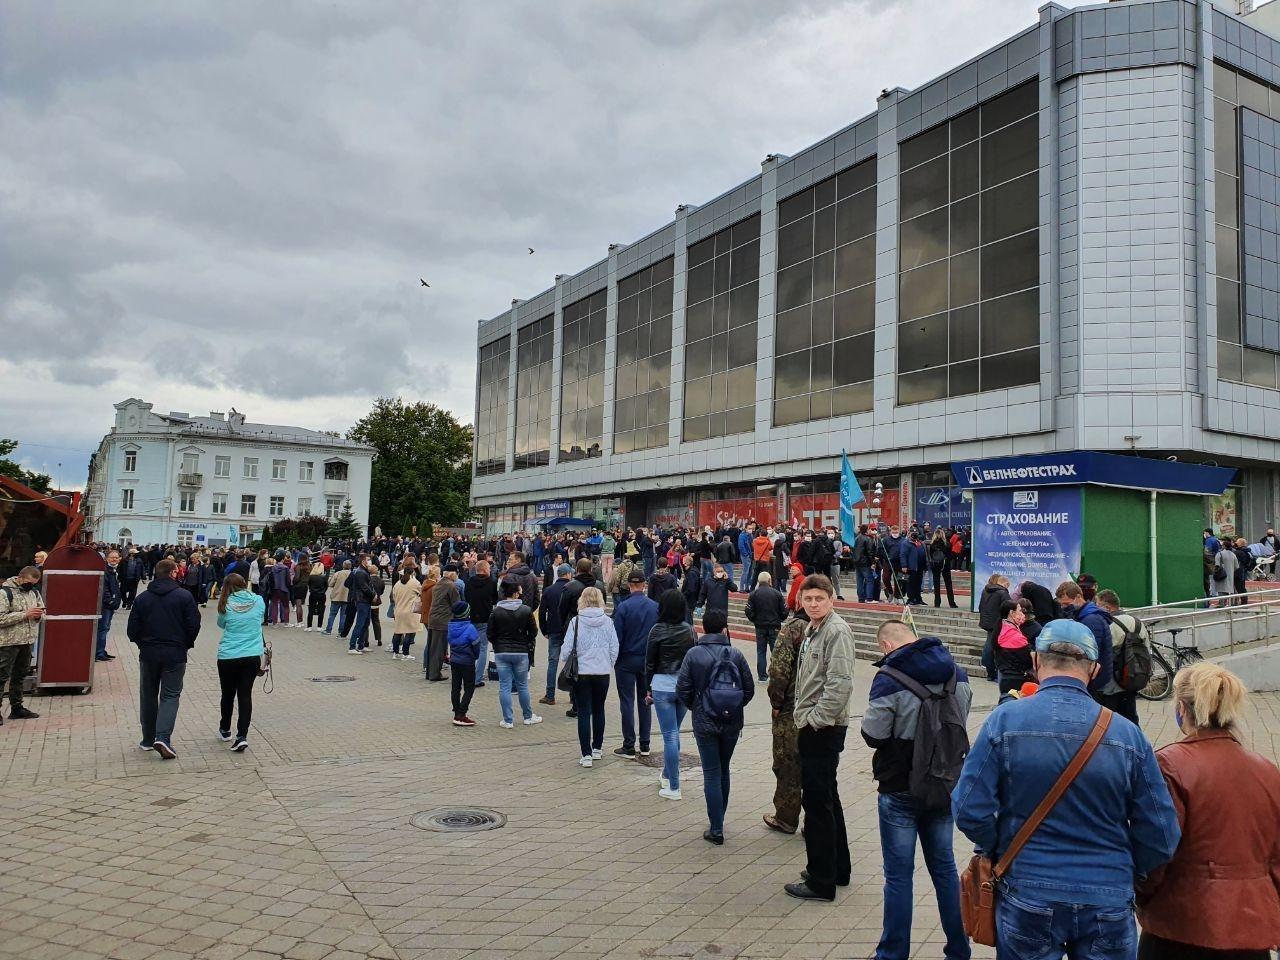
(979, 881)
(569, 672)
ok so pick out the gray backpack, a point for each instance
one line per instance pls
(941, 743)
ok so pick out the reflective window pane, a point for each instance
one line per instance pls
(922, 343)
(1010, 208)
(923, 189)
(1010, 265)
(922, 147)
(923, 239)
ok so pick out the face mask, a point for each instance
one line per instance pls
(1177, 716)
(27, 587)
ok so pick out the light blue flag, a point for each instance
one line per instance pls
(850, 496)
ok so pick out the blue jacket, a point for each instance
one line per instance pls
(1098, 621)
(164, 622)
(464, 643)
(913, 556)
(695, 673)
(241, 626)
(633, 618)
(1114, 825)
(892, 548)
(549, 611)
(745, 551)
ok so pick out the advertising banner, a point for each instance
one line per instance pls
(1026, 535)
(731, 513)
(552, 508)
(820, 510)
(942, 507)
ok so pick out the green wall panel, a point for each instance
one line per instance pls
(1179, 520)
(1115, 546)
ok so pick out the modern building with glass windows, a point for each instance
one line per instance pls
(1070, 242)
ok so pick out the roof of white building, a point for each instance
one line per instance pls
(233, 426)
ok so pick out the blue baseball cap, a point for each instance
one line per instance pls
(1068, 631)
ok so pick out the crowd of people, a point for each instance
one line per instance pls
(1187, 833)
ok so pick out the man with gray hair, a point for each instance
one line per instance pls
(1070, 888)
(21, 608)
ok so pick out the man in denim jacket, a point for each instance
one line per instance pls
(1071, 887)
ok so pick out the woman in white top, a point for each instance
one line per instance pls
(591, 634)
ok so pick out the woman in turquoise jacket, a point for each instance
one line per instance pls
(240, 613)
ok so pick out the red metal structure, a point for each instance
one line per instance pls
(73, 604)
(31, 521)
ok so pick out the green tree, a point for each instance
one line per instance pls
(345, 527)
(40, 482)
(422, 473)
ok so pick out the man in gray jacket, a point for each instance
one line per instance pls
(824, 686)
(443, 597)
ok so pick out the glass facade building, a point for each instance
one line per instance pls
(1071, 241)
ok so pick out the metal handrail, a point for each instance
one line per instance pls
(1199, 603)
(1196, 619)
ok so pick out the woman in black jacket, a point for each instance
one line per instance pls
(512, 634)
(940, 566)
(1043, 604)
(669, 640)
(994, 597)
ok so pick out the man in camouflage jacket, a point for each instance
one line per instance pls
(786, 750)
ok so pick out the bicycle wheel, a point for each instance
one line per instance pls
(1188, 655)
(1160, 685)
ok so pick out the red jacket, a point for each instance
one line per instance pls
(1221, 890)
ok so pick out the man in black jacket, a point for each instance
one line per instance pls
(553, 628)
(360, 595)
(583, 577)
(518, 572)
(110, 603)
(767, 610)
(662, 581)
(726, 554)
(513, 634)
(164, 623)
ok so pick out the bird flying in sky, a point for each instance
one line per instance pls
(423, 282)
(531, 251)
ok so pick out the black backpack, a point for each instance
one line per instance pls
(1133, 657)
(941, 742)
(723, 696)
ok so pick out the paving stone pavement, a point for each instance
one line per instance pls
(303, 847)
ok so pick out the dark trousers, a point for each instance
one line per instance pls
(1151, 947)
(160, 687)
(235, 677)
(315, 610)
(348, 619)
(826, 842)
(989, 653)
(715, 750)
(15, 664)
(463, 685)
(437, 643)
(942, 572)
(631, 691)
(1124, 703)
(376, 622)
(765, 639)
(915, 579)
(128, 591)
(589, 694)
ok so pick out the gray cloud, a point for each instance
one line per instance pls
(230, 204)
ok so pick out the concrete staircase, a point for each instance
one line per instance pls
(958, 629)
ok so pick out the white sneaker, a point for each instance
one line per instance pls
(664, 783)
(595, 754)
(666, 793)
(532, 720)
(504, 725)
(406, 657)
(352, 653)
(585, 761)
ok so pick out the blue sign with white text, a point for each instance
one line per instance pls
(1029, 534)
(941, 507)
(1087, 466)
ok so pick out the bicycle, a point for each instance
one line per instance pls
(1160, 686)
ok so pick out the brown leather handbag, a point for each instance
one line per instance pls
(979, 880)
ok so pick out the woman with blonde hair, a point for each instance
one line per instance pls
(591, 636)
(1220, 894)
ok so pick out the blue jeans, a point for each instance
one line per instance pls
(744, 584)
(649, 566)
(359, 630)
(715, 750)
(766, 637)
(513, 669)
(900, 824)
(729, 568)
(1031, 929)
(708, 568)
(482, 651)
(104, 627)
(670, 715)
(631, 693)
(334, 609)
(866, 584)
(553, 664)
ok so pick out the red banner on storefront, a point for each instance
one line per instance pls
(819, 510)
(732, 513)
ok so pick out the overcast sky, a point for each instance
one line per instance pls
(209, 205)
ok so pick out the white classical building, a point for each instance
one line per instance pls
(216, 480)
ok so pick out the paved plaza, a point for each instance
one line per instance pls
(303, 847)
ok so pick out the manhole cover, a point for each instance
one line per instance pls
(687, 760)
(331, 679)
(458, 820)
